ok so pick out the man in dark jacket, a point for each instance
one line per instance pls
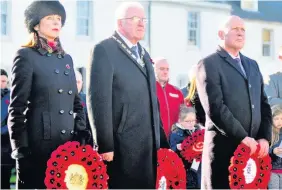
(274, 87)
(121, 98)
(7, 163)
(231, 91)
(82, 95)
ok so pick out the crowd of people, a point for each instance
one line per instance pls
(130, 110)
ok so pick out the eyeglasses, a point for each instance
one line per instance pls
(137, 19)
(191, 121)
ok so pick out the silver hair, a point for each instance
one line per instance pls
(122, 9)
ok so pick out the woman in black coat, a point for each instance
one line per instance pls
(44, 96)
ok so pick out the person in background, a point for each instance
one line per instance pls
(170, 97)
(82, 95)
(184, 128)
(44, 96)
(7, 163)
(274, 87)
(192, 98)
(275, 150)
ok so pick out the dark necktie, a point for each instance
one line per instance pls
(135, 52)
(238, 61)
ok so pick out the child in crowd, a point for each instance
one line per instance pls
(180, 131)
(276, 149)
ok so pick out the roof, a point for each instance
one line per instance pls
(269, 11)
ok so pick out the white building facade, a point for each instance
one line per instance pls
(181, 31)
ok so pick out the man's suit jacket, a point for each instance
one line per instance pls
(122, 101)
(236, 107)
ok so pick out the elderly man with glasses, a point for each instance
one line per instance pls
(122, 103)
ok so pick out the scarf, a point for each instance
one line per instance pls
(50, 47)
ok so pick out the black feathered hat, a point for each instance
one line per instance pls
(39, 9)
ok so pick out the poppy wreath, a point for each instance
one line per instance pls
(192, 146)
(248, 171)
(72, 166)
(171, 173)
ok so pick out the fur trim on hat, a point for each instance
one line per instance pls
(39, 9)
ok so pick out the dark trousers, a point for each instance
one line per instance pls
(32, 174)
(5, 176)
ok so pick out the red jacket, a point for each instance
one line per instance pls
(170, 99)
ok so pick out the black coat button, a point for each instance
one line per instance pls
(60, 91)
(49, 54)
(57, 71)
(60, 56)
(63, 131)
(71, 112)
(66, 73)
(70, 92)
(62, 111)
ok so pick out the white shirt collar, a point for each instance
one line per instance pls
(234, 57)
(128, 43)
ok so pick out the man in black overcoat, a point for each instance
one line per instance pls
(123, 103)
(231, 91)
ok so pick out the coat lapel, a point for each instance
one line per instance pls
(125, 49)
(230, 60)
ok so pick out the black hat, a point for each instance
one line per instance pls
(39, 9)
(3, 72)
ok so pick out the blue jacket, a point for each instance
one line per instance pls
(5, 139)
(276, 161)
(177, 136)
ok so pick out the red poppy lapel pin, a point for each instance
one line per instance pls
(7, 102)
(83, 104)
(67, 66)
(152, 61)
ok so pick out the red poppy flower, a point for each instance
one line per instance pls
(7, 101)
(67, 66)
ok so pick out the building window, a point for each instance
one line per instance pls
(4, 18)
(193, 29)
(267, 42)
(146, 41)
(84, 18)
(249, 5)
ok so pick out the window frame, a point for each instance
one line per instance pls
(90, 6)
(270, 43)
(196, 29)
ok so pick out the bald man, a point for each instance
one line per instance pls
(231, 90)
(121, 99)
(169, 96)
